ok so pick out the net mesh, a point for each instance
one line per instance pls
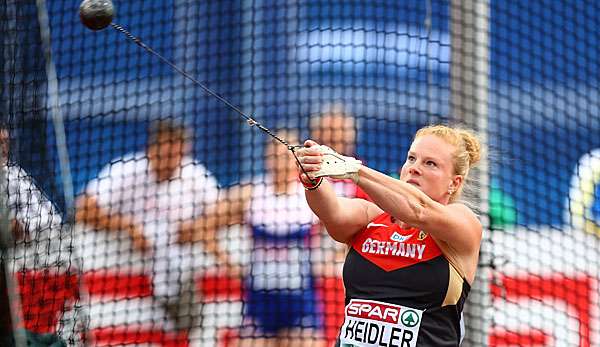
(142, 261)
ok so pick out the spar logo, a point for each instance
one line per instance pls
(382, 312)
(374, 311)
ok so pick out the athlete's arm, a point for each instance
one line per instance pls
(342, 217)
(455, 224)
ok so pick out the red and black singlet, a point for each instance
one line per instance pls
(388, 264)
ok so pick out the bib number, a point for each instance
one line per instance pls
(371, 323)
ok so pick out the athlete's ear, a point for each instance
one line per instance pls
(455, 184)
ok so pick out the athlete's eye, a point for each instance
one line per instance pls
(431, 163)
(410, 158)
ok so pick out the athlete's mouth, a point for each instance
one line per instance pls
(413, 182)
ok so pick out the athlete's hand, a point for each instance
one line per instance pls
(310, 158)
(338, 166)
(320, 161)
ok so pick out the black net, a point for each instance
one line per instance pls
(142, 210)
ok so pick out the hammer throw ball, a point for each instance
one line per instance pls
(96, 14)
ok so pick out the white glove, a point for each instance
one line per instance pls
(335, 165)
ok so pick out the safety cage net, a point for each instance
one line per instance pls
(138, 208)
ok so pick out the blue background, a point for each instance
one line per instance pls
(543, 100)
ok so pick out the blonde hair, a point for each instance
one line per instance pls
(467, 153)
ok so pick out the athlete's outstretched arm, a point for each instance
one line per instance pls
(342, 217)
(455, 223)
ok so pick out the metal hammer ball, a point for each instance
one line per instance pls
(96, 14)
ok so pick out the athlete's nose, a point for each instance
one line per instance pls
(414, 170)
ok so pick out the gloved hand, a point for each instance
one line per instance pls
(335, 165)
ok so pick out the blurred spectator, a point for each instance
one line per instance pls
(153, 196)
(280, 306)
(41, 257)
(335, 126)
(583, 206)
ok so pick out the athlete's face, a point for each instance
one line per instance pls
(429, 167)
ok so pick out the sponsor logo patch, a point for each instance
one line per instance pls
(371, 323)
(374, 225)
(399, 238)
